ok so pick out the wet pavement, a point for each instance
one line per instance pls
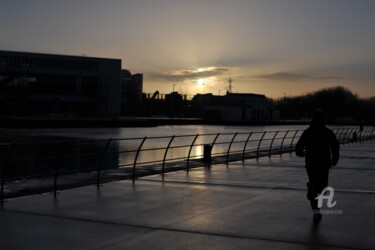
(243, 205)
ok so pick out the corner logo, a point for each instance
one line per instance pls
(326, 194)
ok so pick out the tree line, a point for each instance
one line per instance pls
(339, 103)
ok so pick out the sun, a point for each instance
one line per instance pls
(200, 82)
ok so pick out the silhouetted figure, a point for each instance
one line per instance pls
(319, 146)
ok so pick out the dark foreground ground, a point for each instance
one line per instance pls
(250, 205)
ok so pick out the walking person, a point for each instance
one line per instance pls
(319, 145)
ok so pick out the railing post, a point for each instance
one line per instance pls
(214, 141)
(2, 185)
(230, 145)
(136, 157)
(351, 135)
(339, 131)
(57, 169)
(337, 134)
(364, 134)
(334, 130)
(345, 137)
(165, 154)
(101, 162)
(348, 135)
(360, 133)
(244, 147)
(191, 147)
(270, 150)
(341, 134)
(260, 141)
(291, 143)
(282, 142)
(356, 131)
(55, 179)
(356, 135)
(368, 132)
(3, 173)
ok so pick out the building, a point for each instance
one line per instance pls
(131, 93)
(233, 107)
(174, 104)
(34, 84)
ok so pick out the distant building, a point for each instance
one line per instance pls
(131, 93)
(174, 104)
(233, 107)
(33, 84)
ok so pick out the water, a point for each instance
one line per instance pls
(117, 133)
(87, 148)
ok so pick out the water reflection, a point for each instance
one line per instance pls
(61, 157)
(68, 155)
(116, 133)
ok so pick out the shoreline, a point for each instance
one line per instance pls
(144, 122)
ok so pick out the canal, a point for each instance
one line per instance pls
(29, 152)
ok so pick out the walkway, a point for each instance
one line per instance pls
(250, 205)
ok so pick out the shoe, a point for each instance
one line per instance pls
(317, 216)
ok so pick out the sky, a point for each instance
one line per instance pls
(272, 47)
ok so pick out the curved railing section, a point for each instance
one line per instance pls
(133, 157)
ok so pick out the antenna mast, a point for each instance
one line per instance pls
(230, 86)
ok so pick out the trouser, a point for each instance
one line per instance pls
(318, 180)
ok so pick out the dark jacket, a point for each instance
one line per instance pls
(319, 146)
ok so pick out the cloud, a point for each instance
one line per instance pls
(183, 75)
(287, 76)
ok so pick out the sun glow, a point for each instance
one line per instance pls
(200, 82)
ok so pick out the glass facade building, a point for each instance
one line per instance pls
(33, 84)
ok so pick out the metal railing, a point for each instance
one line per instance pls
(134, 157)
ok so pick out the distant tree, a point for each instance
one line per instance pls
(336, 101)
